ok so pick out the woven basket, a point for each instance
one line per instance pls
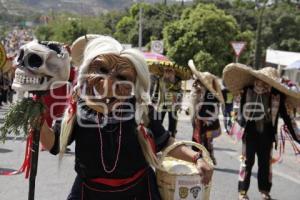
(167, 178)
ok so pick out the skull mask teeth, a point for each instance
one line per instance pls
(41, 66)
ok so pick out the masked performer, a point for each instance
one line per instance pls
(206, 96)
(263, 99)
(227, 108)
(170, 97)
(115, 132)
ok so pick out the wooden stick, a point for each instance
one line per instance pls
(34, 155)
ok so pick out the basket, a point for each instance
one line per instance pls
(178, 179)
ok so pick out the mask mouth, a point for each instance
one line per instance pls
(96, 101)
(27, 79)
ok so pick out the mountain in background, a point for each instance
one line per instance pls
(84, 7)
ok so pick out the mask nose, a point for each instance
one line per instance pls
(108, 85)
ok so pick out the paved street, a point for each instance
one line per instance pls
(54, 181)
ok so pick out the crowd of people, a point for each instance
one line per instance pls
(15, 39)
(12, 42)
(251, 101)
(118, 128)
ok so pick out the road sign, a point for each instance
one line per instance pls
(2, 56)
(238, 47)
(157, 46)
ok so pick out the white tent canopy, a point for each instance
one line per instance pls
(282, 58)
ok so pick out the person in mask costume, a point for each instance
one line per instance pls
(115, 130)
(263, 99)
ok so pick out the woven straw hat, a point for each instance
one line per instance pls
(78, 47)
(8, 65)
(209, 80)
(157, 68)
(237, 76)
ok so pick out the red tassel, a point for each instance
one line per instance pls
(286, 134)
(26, 163)
(148, 137)
(196, 132)
(72, 108)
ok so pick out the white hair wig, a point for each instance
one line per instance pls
(107, 45)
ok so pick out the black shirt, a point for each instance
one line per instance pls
(209, 112)
(87, 134)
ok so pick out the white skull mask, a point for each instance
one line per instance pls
(41, 66)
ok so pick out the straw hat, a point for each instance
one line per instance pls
(8, 65)
(157, 68)
(78, 47)
(209, 80)
(237, 76)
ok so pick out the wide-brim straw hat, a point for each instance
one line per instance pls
(157, 68)
(236, 76)
(7, 66)
(78, 47)
(209, 81)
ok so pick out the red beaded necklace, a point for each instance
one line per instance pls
(101, 148)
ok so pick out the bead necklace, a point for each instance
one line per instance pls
(101, 149)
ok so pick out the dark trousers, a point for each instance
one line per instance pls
(227, 116)
(261, 145)
(201, 136)
(172, 121)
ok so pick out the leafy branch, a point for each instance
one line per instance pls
(21, 117)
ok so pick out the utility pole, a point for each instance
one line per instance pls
(258, 51)
(140, 26)
(165, 2)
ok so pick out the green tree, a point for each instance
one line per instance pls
(204, 34)
(72, 31)
(155, 18)
(44, 33)
(67, 27)
(282, 28)
(112, 18)
(126, 30)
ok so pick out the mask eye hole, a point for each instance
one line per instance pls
(55, 48)
(34, 61)
(21, 55)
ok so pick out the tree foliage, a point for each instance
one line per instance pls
(201, 31)
(204, 34)
(154, 18)
(66, 28)
(281, 28)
